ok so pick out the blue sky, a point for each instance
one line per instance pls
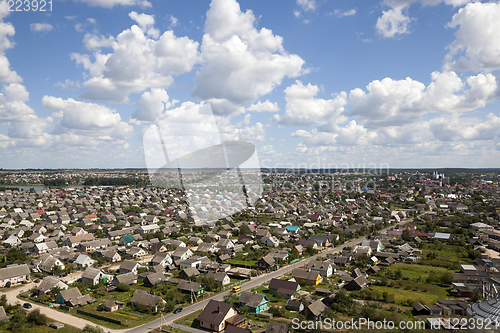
(404, 83)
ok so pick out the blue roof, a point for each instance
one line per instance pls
(291, 228)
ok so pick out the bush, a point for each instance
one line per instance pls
(8, 284)
(91, 329)
(277, 311)
(123, 287)
(37, 318)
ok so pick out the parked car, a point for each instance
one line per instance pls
(178, 310)
(36, 280)
(27, 306)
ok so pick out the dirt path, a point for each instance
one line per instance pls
(49, 312)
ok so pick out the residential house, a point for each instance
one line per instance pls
(288, 288)
(375, 245)
(46, 263)
(136, 252)
(322, 241)
(188, 272)
(315, 310)
(3, 315)
(73, 241)
(153, 279)
(307, 276)
(64, 296)
(216, 316)
(277, 327)
(128, 278)
(161, 258)
(358, 283)
(220, 277)
(49, 283)
(182, 253)
(207, 247)
(298, 250)
(324, 267)
(145, 300)
(129, 266)
(255, 302)
(126, 240)
(225, 244)
(272, 241)
(150, 228)
(111, 256)
(294, 305)
(93, 276)
(266, 262)
(84, 261)
(191, 288)
(93, 245)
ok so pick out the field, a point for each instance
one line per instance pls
(45, 329)
(401, 294)
(248, 263)
(415, 272)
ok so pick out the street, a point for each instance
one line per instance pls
(170, 318)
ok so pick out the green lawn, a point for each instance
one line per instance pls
(188, 320)
(413, 272)
(248, 263)
(45, 329)
(401, 295)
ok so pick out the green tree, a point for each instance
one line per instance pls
(37, 318)
(123, 287)
(91, 329)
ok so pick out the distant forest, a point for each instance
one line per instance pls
(101, 181)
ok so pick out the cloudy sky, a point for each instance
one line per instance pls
(312, 83)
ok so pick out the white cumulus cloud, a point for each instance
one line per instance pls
(41, 27)
(477, 44)
(239, 62)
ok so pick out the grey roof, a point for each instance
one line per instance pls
(145, 299)
(305, 274)
(91, 273)
(14, 271)
(128, 278)
(317, 308)
(3, 315)
(129, 264)
(48, 283)
(252, 300)
(190, 271)
(72, 293)
(189, 286)
(276, 327)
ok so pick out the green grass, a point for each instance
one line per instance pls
(188, 320)
(248, 263)
(413, 272)
(45, 329)
(400, 294)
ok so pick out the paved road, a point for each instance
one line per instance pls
(170, 318)
(255, 282)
